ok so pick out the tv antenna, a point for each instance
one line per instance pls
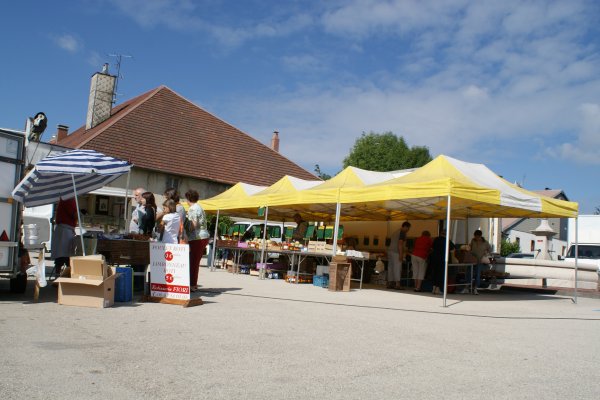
(119, 58)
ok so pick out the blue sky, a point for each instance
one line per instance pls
(511, 84)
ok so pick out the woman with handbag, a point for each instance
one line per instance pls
(197, 235)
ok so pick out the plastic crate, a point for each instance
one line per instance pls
(124, 284)
(321, 281)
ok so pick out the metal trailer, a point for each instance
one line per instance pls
(12, 163)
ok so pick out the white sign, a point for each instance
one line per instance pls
(170, 270)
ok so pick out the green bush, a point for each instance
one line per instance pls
(507, 247)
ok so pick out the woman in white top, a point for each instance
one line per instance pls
(170, 223)
(197, 235)
(173, 194)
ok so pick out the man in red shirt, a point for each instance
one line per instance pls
(419, 255)
(65, 222)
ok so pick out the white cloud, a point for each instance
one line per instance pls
(475, 93)
(174, 14)
(464, 74)
(304, 62)
(584, 149)
(466, 122)
(187, 16)
(362, 18)
(67, 42)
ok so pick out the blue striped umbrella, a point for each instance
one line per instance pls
(66, 174)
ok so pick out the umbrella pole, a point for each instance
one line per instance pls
(446, 256)
(125, 211)
(78, 215)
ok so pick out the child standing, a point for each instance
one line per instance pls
(170, 222)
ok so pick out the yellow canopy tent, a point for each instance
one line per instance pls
(475, 190)
(422, 193)
(317, 201)
(447, 188)
(234, 196)
(281, 192)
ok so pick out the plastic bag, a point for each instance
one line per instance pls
(39, 272)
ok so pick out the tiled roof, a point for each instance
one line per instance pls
(161, 130)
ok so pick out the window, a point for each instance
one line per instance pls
(518, 241)
(173, 182)
(533, 245)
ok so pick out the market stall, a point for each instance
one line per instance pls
(444, 189)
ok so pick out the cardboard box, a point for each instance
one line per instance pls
(339, 276)
(319, 247)
(89, 267)
(87, 292)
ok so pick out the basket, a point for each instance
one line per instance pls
(124, 252)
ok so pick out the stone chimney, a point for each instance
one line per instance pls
(101, 97)
(62, 131)
(275, 141)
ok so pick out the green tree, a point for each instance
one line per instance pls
(507, 247)
(385, 152)
(320, 174)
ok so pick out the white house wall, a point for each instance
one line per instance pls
(525, 239)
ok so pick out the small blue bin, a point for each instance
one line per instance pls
(321, 280)
(124, 284)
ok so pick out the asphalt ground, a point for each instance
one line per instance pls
(267, 339)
